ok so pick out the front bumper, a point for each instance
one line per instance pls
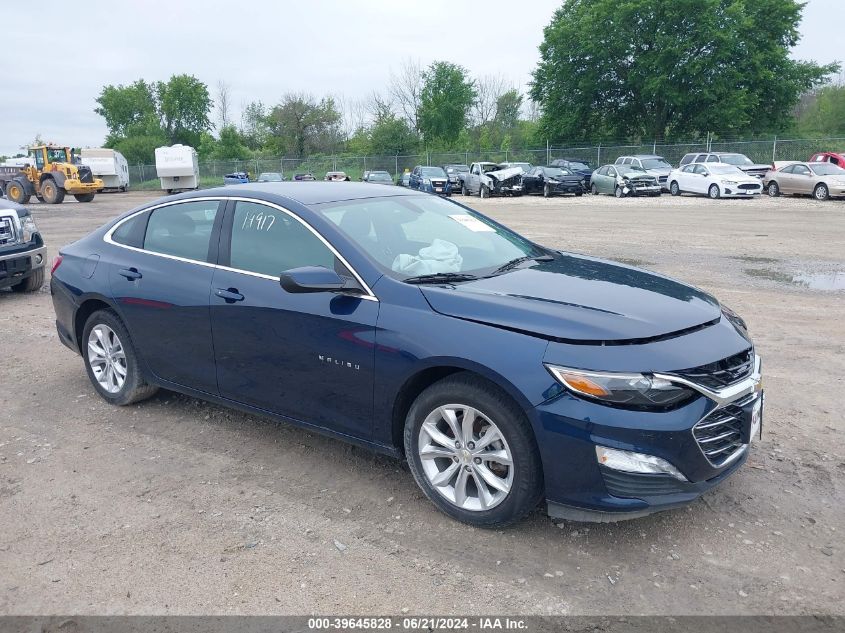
(568, 187)
(19, 264)
(579, 488)
(75, 187)
(643, 190)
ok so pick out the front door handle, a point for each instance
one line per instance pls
(230, 295)
(130, 273)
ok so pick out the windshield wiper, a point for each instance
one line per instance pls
(516, 262)
(436, 278)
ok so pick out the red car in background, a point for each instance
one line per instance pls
(837, 158)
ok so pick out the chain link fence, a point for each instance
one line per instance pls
(760, 151)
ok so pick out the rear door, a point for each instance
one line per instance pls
(160, 280)
(306, 356)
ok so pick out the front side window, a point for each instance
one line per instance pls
(701, 169)
(409, 236)
(182, 230)
(688, 169)
(801, 170)
(611, 171)
(268, 241)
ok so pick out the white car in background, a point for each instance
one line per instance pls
(716, 180)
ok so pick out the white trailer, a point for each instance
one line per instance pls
(177, 168)
(24, 161)
(108, 165)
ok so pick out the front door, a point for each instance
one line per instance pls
(306, 356)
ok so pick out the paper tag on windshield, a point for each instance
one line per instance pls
(473, 224)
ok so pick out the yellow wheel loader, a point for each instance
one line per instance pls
(51, 176)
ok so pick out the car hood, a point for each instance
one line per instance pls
(504, 174)
(578, 299)
(635, 173)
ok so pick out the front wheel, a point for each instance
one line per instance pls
(464, 191)
(675, 188)
(547, 191)
(111, 361)
(618, 192)
(472, 452)
(31, 283)
(714, 192)
(84, 197)
(483, 192)
(594, 191)
(51, 192)
(821, 192)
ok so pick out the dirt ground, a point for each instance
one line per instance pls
(181, 507)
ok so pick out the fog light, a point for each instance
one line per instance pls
(39, 259)
(630, 462)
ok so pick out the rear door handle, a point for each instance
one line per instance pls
(130, 273)
(230, 295)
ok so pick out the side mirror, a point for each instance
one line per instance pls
(311, 279)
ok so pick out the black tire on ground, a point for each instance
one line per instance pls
(483, 191)
(464, 191)
(714, 192)
(578, 194)
(618, 192)
(527, 487)
(84, 197)
(547, 192)
(675, 188)
(135, 388)
(51, 192)
(16, 193)
(773, 189)
(31, 283)
(821, 192)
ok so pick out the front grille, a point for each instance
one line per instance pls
(719, 434)
(512, 181)
(749, 186)
(7, 232)
(639, 485)
(438, 183)
(663, 179)
(721, 373)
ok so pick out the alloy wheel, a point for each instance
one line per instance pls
(107, 358)
(465, 457)
(821, 192)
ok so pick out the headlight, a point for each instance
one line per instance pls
(633, 391)
(28, 228)
(426, 181)
(734, 318)
(728, 182)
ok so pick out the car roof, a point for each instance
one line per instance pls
(307, 193)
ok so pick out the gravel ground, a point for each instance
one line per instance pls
(181, 507)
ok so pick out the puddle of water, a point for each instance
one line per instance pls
(821, 281)
(751, 259)
(812, 281)
(628, 261)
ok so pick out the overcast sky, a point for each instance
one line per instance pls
(54, 69)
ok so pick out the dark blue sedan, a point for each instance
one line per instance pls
(505, 372)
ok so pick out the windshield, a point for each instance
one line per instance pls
(827, 169)
(655, 163)
(432, 172)
(726, 170)
(553, 172)
(379, 177)
(457, 169)
(270, 177)
(421, 235)
(628, 168)
(526, 167)
(735, 159)
(57, 155)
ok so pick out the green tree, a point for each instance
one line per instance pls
(126, 107)
(231, 145)
(650, 68)
(824, 114)
(446, 97)
(391, 135)
(508, 106)
(254, 126)
(300, 125)
(184, 105)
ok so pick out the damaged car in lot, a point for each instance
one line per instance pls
(624, 180)
(552, 181)
(489, 179)
(503, 371)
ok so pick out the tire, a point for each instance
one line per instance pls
(519, 486)
(821, 192)
(593, 190)
(618, 192)
(714, 192)
(16, 193)
(547, 192)
(134, 388)
(773, 189)
(675, 188)
(464, 191)
(578, 194)
(483, 191)
(51, 192)
(84, 197)
(32, 283)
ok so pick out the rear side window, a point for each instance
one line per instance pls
(182, 230)
(268, 241)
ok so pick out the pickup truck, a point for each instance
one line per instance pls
(489, 179)
(22, 252)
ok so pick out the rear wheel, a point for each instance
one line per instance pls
(821, 192)
(111, 361)
(774, 190)
(714, 192)
(84, 197)
(675, 188)
(471, 450)
(51, 192)
(31, 283)
(16, 193)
